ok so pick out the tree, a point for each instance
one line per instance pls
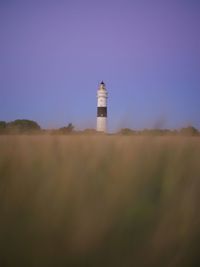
(2, 127)
(189, 131)
(2, 124)
(67, 129)
(23, 126)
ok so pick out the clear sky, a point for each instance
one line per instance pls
(53, 55)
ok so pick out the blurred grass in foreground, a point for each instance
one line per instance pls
(99, 201)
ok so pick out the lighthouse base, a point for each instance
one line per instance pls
(101, 124)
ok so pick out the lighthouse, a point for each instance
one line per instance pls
(102, 96)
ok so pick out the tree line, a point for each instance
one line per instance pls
(19, 126)
(186, 131)
(23, 126)
(30, 127)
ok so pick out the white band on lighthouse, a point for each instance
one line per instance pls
(102, 96)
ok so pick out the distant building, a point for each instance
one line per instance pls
(102, 96)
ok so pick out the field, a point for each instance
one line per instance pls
(99, 201)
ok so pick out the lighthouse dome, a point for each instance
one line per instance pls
(102, 86)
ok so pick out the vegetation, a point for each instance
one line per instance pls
(2, 125)
(32, 127)
(187, 131)
(19, 126)
(66, 130)
(99, 201)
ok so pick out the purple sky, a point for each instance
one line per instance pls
(53, 54)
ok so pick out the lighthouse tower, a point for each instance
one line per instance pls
(102, 96)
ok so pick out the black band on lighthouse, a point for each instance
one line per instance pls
(101, 111)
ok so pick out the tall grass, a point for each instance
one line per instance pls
(99, 201)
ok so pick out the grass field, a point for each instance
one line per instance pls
(99, 201)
